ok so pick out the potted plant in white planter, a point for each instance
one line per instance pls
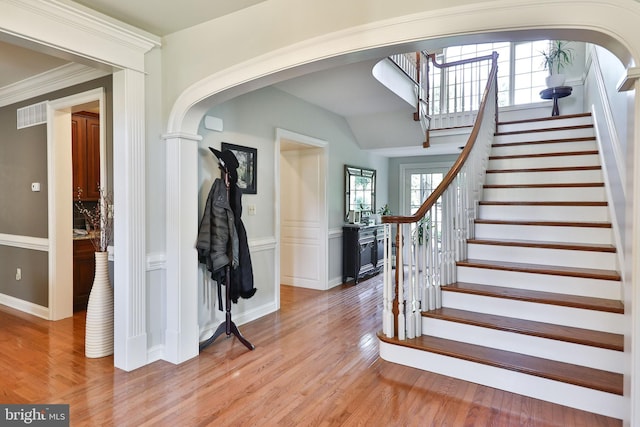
(556, 58)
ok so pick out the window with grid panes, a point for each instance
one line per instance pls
(521, 71)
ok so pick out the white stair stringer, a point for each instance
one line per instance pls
(561, 393)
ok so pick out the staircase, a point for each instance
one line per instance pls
(536, 307)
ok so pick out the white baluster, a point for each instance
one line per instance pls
(386, 285)
(410, 307)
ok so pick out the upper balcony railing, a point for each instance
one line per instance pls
(429, 243)
(448, 94)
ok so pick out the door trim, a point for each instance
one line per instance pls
(281, 135)
(60, 196)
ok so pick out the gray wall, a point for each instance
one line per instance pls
(23, 213)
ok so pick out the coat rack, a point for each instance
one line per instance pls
(228, 326)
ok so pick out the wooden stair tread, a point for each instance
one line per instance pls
(587, 273)
(591, 247)
(570, 334)
(595, 379)
(544, 141)
(553, 185)
(564, 300)
(550, 169)
(545, 119)
(552, 129)
(593, 224)
(546, 203)
(550, 154)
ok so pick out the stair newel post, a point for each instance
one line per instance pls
(400, 283)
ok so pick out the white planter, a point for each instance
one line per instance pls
(555, 80)
(98, 341)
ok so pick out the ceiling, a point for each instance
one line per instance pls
(349, 91)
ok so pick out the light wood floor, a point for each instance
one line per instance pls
(315, 364)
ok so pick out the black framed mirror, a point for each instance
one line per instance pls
(360, 193)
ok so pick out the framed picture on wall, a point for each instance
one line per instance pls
(247, 171)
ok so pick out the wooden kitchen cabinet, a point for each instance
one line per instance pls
(85, 142)
(83, 272)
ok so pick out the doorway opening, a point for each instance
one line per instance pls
(301, 220)
(60, 185)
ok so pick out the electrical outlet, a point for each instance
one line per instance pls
(18, 273)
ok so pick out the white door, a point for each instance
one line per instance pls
(303, 222)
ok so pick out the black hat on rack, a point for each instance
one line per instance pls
(228, 162)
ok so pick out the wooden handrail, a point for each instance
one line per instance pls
(460, 61)
(457, 166)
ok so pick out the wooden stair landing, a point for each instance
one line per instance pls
(595, 379)
(527, 327)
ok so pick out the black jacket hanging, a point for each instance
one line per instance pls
(241, 277)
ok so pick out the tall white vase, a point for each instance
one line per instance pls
(98, 340)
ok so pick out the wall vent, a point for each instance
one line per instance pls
(32, 115)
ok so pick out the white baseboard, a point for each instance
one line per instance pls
(24, 306)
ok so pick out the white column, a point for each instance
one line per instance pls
(181, 335)
(130, 331)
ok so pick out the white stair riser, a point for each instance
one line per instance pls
(544, 256)
(561, 351)
(548, 194)
(568, 316)
(542, 177)
(596, 288)
(598, 402)
(544, 124)
(543, 136)
(546, 162)
(545, 233)
(543, 213)
(551, 147)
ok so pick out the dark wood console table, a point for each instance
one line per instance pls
(555, 93)
(362, 251)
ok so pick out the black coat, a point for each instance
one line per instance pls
(242, 276)
(222, 240)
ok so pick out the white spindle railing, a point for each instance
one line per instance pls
(445, 221)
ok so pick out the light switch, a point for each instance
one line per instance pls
(251, 209)
(35, 186)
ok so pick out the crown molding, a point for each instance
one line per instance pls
(58, 78)
(72, 28)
